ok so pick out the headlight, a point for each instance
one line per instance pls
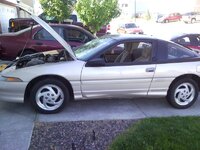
(2, 67)
(10, 79)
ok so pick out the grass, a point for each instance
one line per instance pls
(173, 133)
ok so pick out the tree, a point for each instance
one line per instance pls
(59, 9)
(96, 13)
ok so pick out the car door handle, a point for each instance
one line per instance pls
(150, 69)
(39, 43)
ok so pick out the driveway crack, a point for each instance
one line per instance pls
(146, 116)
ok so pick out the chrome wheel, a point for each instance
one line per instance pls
(49, 97)
(184, 94)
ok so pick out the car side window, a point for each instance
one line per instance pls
(72, 35)
(176, 52)
(44, 35)
(122, 26)
(184, 40)
(128, 52)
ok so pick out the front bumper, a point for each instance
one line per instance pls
(12, 91)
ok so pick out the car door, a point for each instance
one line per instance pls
(43, 41)
(172, 62)
(120, 77)
(75, 37)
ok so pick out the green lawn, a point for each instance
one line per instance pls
(173, 133)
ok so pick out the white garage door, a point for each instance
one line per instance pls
(6, 12)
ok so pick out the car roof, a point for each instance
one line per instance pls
(120, 37)
(62, 25)
(56, 25)
(183, 34)
(173, 36)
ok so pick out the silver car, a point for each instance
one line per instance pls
(112, 66)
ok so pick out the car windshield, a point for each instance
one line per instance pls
(89, 49)
(190, 13)
(130, 25)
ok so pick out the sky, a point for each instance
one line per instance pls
(165, 6)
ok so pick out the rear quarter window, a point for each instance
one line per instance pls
(169, 51)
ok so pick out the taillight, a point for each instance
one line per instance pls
(12, 24)
(108, 27)
(1, 47)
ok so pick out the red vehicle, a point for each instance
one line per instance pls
(129, 28)
(170, 18)
(17, 24)
(191, 40)
(38, 39)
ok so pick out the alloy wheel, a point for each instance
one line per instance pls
(184, 94)
(49, 97)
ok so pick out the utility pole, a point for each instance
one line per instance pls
(135, 10)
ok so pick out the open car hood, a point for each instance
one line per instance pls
(55, 35)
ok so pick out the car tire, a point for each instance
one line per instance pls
(49, 96)
(183, 93)
(166, 21)
(193, 20)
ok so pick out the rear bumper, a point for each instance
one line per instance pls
(12, 91)
(136, 32)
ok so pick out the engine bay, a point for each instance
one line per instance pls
(42, 58)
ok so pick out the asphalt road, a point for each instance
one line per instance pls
(17, 120)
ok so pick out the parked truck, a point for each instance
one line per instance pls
(17, 24)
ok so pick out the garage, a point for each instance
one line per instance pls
(6, 12)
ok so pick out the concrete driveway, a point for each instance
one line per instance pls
(4, 62)
(17, 120)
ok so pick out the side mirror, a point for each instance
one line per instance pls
(97, 62)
